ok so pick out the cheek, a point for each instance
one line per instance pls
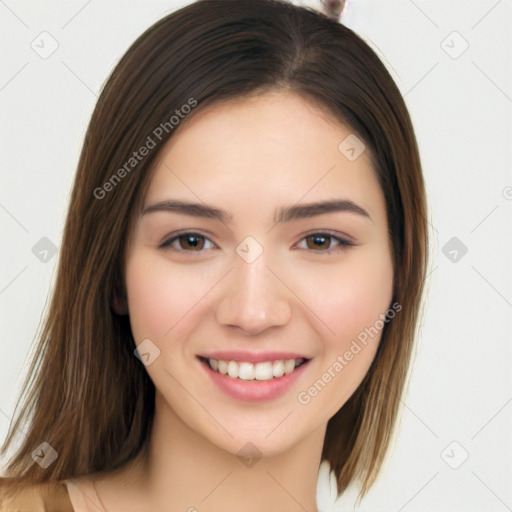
(352, 308)
(351, 305)
(353, 296)
(366, 293)
(158, 297)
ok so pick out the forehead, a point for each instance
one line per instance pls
(272, 148)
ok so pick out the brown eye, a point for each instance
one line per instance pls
(324, 243)
(316, 242)
(188, 242)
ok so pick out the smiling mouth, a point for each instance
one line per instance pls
(246, 371)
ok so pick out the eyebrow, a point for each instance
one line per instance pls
(282, 215)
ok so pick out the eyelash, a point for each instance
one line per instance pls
(343, 243)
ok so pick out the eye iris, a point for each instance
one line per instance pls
(191, 241)
(318, 242)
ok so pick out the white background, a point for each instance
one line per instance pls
(460, 390)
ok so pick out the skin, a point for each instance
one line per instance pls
(250, 156)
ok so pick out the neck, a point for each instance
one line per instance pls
(184, 471)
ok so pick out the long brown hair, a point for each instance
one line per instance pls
(86, 394)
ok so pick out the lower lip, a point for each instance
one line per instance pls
(254, 390)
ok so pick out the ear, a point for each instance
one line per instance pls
(119, 302)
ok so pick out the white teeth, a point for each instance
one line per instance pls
(223, 366)
(245, 371)
(254, 371)
(233, 369)
(263, 371)
(278, 369)
(289, 365)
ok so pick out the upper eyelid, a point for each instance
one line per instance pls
(344, 241)
(168, 240)
(331, 233)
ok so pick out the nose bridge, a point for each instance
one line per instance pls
(253, 298)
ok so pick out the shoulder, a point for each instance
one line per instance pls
(16, 497)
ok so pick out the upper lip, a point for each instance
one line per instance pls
(251, 357)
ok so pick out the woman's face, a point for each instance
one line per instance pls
(263, 240)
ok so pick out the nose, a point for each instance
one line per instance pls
(253, 298)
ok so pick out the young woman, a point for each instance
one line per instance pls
(240, 276)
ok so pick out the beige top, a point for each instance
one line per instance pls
(76, 495)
